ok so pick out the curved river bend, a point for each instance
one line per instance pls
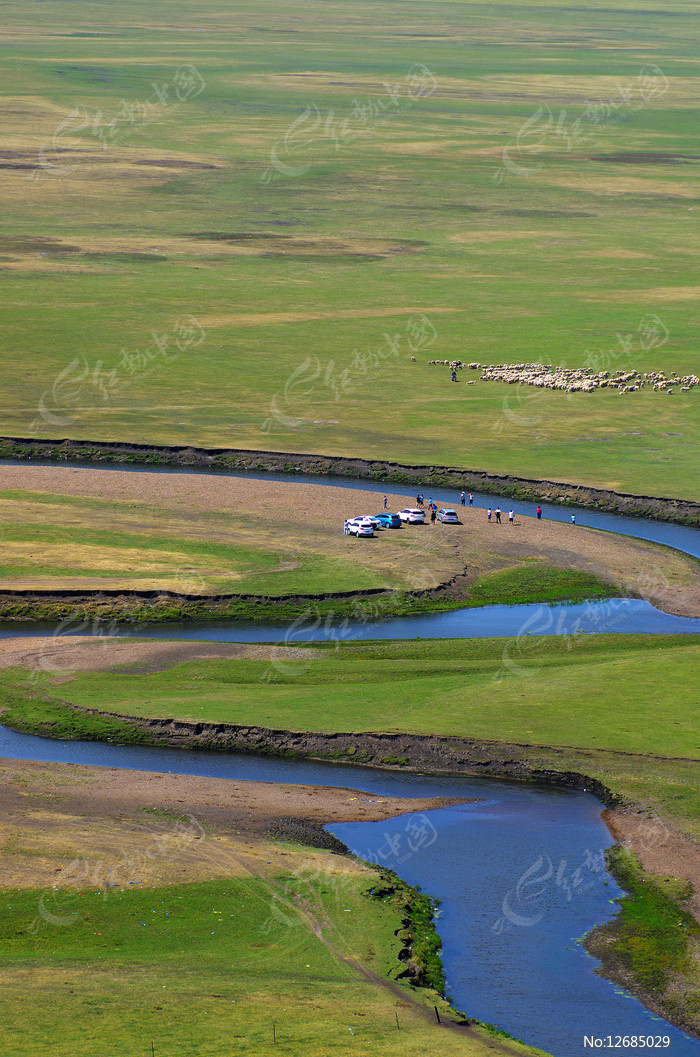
(519, 874)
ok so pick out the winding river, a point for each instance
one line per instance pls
(519, 874)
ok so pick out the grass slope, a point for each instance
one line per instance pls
(204, 967)
(538, 690)
(601, 701)
(224, 228)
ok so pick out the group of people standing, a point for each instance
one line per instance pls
(490, 514)
(432, 506)
(497, 513)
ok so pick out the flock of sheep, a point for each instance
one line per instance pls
(582, 380)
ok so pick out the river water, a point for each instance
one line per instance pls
(519, 875)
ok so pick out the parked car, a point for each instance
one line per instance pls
(413, 515)
(374, 522)
(388, 520)
(360, 527)
(449, 516)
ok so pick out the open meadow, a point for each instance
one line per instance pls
(361, 189)
(595, 705)
(434, 181)
(581, 694)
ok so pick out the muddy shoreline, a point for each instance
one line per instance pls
(660, 508)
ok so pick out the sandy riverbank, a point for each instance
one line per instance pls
(55, 813)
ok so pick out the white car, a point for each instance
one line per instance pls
(413, 515)
(374, 522)
(360, 527)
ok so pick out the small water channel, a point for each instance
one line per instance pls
(519, 875)
(619, 615)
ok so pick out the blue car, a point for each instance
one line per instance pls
(388, 520)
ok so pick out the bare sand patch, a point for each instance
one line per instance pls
(77, 653)
(78, 826)
(662, 850)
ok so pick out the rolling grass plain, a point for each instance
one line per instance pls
(65, 529)
(353, 187)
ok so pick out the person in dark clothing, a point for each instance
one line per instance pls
(498, 515)
(433, 514)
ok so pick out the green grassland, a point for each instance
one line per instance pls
(224, 965)
(527, 182)
(600, 705)
(604, 699)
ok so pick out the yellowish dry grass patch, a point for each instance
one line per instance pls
(498, 235)
(598, 184)
(249, 319)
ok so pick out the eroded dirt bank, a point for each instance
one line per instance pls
(661, 849)
(427, 753)
(661, 508)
